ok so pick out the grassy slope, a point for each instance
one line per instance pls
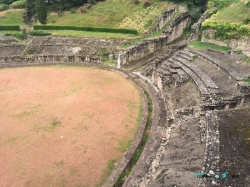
(237, 12)
(111, 13)
(12, 17)
(204, 45)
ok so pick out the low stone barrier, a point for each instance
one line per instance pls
(19, 60)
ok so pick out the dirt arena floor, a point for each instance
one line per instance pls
(61, 126)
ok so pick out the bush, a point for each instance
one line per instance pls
(18, 35)
(9, 28)
(93, 29)
(4, 7)
(72, 10)
(39, 33)
(246, 20)
(18, 4)
(225, 30)
(7, 2)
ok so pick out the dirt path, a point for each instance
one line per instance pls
(59, 126)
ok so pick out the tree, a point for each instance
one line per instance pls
(41, 11)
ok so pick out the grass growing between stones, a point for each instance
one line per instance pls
(248, 80)
(122, 177)
(203, 45)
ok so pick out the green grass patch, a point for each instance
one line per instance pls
(204, 45)
(156, 34)
(246, 59)
(11, 17)
(248, 80)
(18, 35)
(110, 13)
(235, 13)
(51, 127)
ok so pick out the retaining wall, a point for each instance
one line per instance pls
(17, 60)
(242, 43)
(151, 45)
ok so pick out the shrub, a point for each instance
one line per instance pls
(18, 35)
(4, 7)
(225, 30)
(39, 33)
(18, 4)
(9, 28)
(246, 20)
(72, 10)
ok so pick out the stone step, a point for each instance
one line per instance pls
(184, 56)
(205, 78)
(228, 87)
(172, 71)
(164, 72)
(231, 72)
(199, 83)
(187, 53)
(174, 66)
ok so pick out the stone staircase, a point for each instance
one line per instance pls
(219, 87)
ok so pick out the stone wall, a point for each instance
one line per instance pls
(163, 19)
(195, 29)
(53, 45)
(240, 44)
(151, 45)
(18, 60)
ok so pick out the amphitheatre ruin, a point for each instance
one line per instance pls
(65, 113)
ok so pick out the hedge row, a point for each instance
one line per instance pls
(39, 33)
(9, 28)
(93, 29)
(225, 30)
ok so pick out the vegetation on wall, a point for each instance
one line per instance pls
(220, 4)
(226, 30)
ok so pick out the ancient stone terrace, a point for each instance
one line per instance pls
(193, 85)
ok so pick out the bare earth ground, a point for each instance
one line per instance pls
(235, 147)
(59, 126)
